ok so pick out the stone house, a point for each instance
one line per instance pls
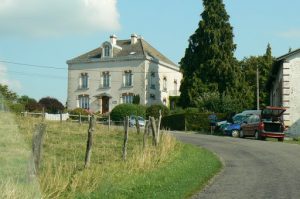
(117, 71)
(285, 90)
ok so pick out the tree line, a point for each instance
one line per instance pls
(213, 79)
(18, 103)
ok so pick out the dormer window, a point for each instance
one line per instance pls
(106, 51)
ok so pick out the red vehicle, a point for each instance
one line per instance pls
(268, 123)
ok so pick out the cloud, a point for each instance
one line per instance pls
(291, 34)
(57, 17)
(4, 79)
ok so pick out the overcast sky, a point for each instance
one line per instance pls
(50, 32)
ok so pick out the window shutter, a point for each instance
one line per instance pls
(109, 80)
(124, 79)
(131, 79)
(80, 81)
(101, 81)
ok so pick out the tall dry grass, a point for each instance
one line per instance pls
(62, 174)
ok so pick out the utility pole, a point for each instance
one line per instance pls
(257, 88)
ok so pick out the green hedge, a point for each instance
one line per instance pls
(123, 110)
(188, 121)
(153, 110)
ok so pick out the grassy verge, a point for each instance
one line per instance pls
(172, 170)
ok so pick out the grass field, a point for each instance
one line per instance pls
(171, 170)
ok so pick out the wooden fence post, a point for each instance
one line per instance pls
(60, 116)
(158, 127)
(145, 133)
(79, 118)
(43, 114)
(153, 128)
(137, 124)
(126, 125)
(108, 122)
(37, 145)
(87, 159)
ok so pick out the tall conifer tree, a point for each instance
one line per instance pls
(209, 63)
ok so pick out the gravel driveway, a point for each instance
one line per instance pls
(253, 169)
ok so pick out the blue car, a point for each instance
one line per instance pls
(234, 128)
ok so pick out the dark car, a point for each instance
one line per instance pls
(234, 128)
(268, 123)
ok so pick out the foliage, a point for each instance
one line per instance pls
(79, 111)
(51, 105)
(30, 104)
(189, 121)
(33, 106)
(136, 99)
(209, 64)
(264, 64)
(122, 110)
(174, 102)
(9, 95)
(153, 110)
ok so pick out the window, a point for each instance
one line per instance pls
(127, 98)
(105, 80)
(127, 78)
(165, 101)
(106, 51)
(152, 96)
(84, 101)
(83, 81)
(152, 80)
(165, 84)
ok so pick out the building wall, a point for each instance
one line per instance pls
(292, 88)
(141, 70)
(94, 71)
(161, 71)
(286, 93)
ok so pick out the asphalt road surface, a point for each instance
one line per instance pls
(252, 169)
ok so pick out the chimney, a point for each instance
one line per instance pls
(113, 39)
(133, 38)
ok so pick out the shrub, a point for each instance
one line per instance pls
(123, 110)
(153, 110)
(78, 111)
(33, 106)
(189, 121)
(51, 105)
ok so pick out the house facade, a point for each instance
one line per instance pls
(285, 90)
(117, 71)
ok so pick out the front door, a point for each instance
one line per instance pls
(105, 104)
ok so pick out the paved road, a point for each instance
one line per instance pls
(253, 169)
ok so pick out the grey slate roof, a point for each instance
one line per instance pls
(288, 54)
(141, 48)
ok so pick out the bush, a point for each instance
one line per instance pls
(51, 105)
(123, 110)
(153, 110)
(17, 107)
(189, 121)
(78, 111)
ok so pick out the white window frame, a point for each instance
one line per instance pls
(84, 81)
(152, 80)
(84, 101)
(127, 79)
(106, 51)
(105, 80)
(127, 98)
(165, 84)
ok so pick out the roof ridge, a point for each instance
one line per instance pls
(287, 54)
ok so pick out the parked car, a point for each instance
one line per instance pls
(132, 121)
(268, 123)
(234, 128)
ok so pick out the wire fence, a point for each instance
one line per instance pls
(66, 117)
